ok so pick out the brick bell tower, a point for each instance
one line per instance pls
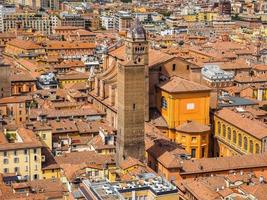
(131, 85)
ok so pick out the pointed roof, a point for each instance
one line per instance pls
(180, 85)
(137, 31)
(193, 127)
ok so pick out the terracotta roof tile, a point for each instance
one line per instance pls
(24, 44)
(193, 127)
(251, 126)
(180, 85)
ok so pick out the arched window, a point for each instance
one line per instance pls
(251, 146)
(224, 131)
(239, 140)
(229, 133)
(234, 136)
(257, 148)
(219, 128)
(164, 103)
(246, 143)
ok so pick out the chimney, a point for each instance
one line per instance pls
(261, 179)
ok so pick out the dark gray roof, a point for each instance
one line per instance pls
(232, 101)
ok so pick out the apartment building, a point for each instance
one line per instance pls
(107, 22)
(15, 108)
(122, 21)
(25, 20)
(4, 10)
(67, 19)
(50, 4)
(20, 153)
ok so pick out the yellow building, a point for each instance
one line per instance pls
(45, 133)
(200, 17)
(194, 137)
(237, 133)
(185, 107)
(51, 173)
(50, 167)
(20, 153)
(72, 77)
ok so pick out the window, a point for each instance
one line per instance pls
(193, 153)
(16, 160)
(16, 169)
(203, 152)
(190, 106)
(44, 136)
(251, 146)
(134, 106)
(187, 67)
(5, 170)
(96, 173)
(234, 137)
(26, 158)
(25, 151)
(20, 112)
(229, 133)
(35, 158)
(219, 128)
(34, 150)
(35, 176)
(257, 148)
(26, 168)
(36, 167)
(224, 131)
(5, 153)
(173, 67)
(15, 153)
(193, 139)
(5, 161)
(164, 103)
(246, 143)
(239, 140)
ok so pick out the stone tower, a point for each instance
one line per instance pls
(5, 83)
(131, 85)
